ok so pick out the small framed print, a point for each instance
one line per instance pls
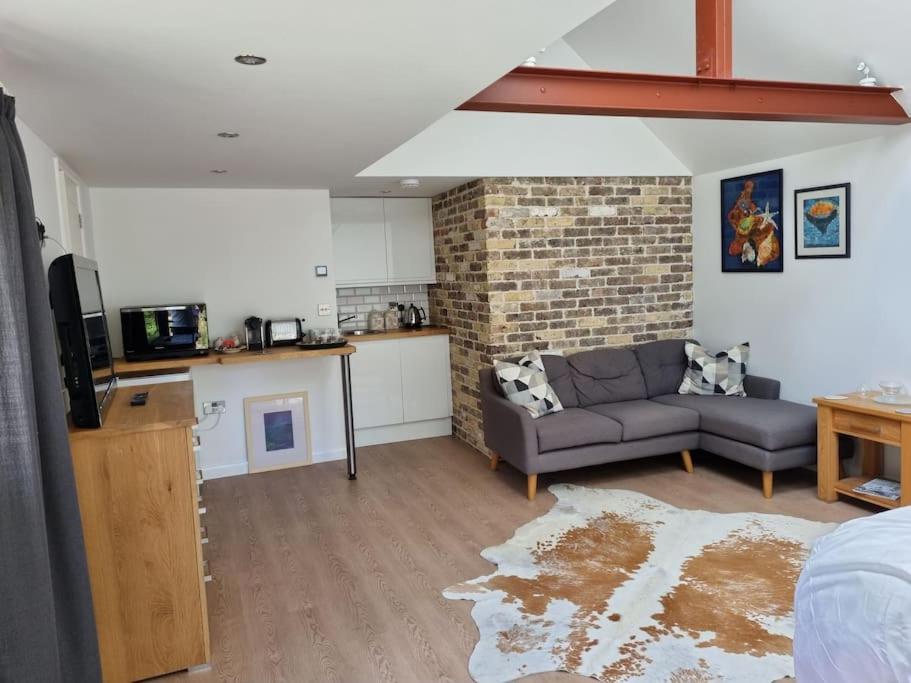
(751, 207)
(278, 431)
(822, 217)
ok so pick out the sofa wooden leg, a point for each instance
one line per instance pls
(532, 486)
(494, 459)
(767, 484)
(687, 460)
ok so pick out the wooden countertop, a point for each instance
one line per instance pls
(867, 406)
(122, 366)
(402, 333)
(170, 405)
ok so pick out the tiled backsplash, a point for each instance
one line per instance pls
(359, 301)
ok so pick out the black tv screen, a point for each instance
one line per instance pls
(82, 329)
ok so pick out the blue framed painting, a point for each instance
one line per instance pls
(278, 431)
(822, 222)
(751, 240)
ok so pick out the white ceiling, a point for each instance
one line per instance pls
(799, 40)
(132, 93)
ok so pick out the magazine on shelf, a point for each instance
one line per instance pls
(884, 488)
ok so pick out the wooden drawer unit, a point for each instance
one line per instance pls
(871, 427)
(136, 483)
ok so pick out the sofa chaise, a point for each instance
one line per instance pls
(622, 404)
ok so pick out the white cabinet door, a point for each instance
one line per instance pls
(376, 384)
(425, 378)
(359, 240)
(409, 240)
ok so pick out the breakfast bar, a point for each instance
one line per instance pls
(151, 367)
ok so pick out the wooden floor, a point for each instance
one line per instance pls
(317, 578)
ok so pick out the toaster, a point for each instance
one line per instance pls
(284, 332)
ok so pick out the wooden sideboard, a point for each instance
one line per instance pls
(138, 497)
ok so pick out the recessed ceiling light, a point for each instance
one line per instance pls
(410, 183)
(228, 134)
(250, 60)
(385, 191)
(218, 171)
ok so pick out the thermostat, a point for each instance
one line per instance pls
(322, 271)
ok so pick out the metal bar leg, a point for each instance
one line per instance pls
(349, 417)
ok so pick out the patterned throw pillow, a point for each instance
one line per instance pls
(525, 384)
(708, 374)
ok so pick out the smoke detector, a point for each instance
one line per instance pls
(409, 183)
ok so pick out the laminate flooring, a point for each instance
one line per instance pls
(317, 578)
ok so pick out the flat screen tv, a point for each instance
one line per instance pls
(85, 345)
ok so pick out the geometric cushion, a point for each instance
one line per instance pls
(772, 425)
(643, 419)
(525, 384)
(575, 427)
(708, 374)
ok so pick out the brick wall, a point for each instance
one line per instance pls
(566, 263)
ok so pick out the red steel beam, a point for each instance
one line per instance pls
(602, 93)
(714, 39)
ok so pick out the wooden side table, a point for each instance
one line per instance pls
(877, 425)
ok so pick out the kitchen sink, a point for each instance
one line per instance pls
(360, 333)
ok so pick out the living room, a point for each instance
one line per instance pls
(549, 343)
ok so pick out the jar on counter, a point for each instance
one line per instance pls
(375, 321)
(391, 316)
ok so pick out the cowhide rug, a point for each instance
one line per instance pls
(622, 587)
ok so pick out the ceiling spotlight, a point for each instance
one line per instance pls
(218, 171)
(250, 60)
(530, 61)
(228, 134)
(385, 191)
(409, 183)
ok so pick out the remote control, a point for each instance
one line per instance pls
(139, 399)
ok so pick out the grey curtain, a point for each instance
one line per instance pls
(47, 628)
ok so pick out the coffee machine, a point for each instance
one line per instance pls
(254, 333)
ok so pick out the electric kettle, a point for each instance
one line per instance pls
(414, 316)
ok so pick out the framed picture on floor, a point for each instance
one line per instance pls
(822, 222)
(751, 240)
(278, 431)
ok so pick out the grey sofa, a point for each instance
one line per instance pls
(621, 404)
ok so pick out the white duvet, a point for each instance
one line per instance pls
(853, 604)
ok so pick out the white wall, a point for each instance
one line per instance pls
(43, 174)
(824, 325)
(242, 252)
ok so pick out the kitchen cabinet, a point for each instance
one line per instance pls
(383, 241)
(376, 384)
(358, 237)
(401, 389)
(425, 379)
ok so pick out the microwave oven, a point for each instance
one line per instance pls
(170, 331)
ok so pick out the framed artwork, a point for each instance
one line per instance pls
(750, 223)
(278, 431)
(822, 222)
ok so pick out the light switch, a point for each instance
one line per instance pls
(322, 271)
(324, 309)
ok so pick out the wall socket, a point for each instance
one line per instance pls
(324, 309)
(214, 408)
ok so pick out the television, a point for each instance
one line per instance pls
(85, 344)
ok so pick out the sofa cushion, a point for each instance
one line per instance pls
(772, 425)
(663, 364)
(606, 376)
(575, 427)
(560, 379)
(643, 419)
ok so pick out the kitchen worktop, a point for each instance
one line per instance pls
(401, 333)
(122, 366)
